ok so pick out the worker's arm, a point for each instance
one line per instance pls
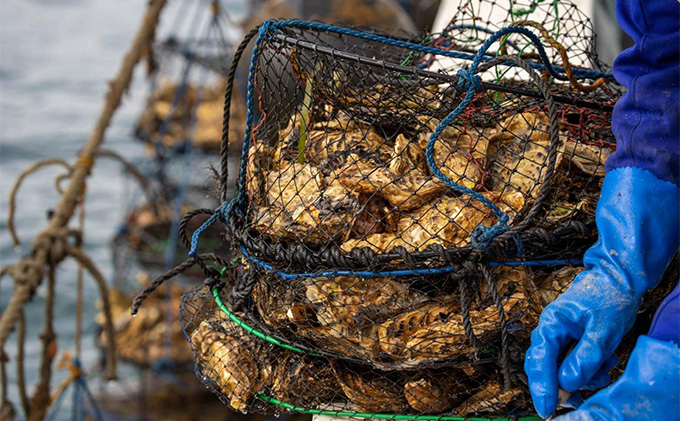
(637, 214)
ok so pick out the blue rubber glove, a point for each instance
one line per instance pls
(649, 389)
(637, 220)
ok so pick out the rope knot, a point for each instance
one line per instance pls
(468, 80)
(55, 242)
(482, 235)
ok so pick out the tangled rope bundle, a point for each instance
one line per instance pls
(58, 242)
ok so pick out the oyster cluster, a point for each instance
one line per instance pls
(193, 114)
(241, 367)
(354, 174)
(398, 323)
(339, 180)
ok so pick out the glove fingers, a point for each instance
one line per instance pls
(586, 359)
(541, 360)
(601, 378)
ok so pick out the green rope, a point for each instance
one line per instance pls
(368, 415)
(254, 331)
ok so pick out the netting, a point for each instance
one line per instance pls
(357, 162)
(377, 348)
(185, 103)
(401, 345)
(406, 207)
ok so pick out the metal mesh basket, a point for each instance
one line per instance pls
(406, 207)
(359, 155)
(402, 346)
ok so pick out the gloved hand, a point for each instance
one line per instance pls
(649, 389)
(637, 219)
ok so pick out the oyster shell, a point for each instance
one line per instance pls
(460, 156)
(395, 334)
(588, 158)
(301, 208)
(352, 300)
(370, 391)
(490, 399)
(520, 151)
(228, 358)
(433, 393)
(280, 305)
(450, 220)
(445, 337)
(303, 380)
(405, 192)
(407, 155)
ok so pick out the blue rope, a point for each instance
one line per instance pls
(221, 213)
(482, 235)
(401, 272)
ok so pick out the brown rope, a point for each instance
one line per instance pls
(29, 271)
(15, 189)
(79, 280)
(21, 379)
(88, 264)
(565, 57)
(41, 397)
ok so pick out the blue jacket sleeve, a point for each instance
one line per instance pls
(646, 120)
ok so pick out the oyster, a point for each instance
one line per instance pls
(280, 305)
(352, 300)
(405, 192)
(445, 337)
(450, 220)
(228, 358)
(520, 151)
(379, 243)
(326, 141)
(548, 289)
(460, 156)
(588, 158)
(294, 187)
(303, 380)
(407, 155)
(147, 337)
(258, 160)
(370, 391)
(490, 399)
(301, 208)
(433, 393)
(376, 216)
(394, 334)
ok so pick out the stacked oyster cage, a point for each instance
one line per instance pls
(406, 208)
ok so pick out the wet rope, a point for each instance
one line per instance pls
(505, 340)
(30, 270)
(231, 76)
(181, 268)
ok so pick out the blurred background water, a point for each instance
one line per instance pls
(56, 57)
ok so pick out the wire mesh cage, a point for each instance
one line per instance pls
(358, 154)
(379, 348)
(186, 99)
(406, 207)
(401, 345)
